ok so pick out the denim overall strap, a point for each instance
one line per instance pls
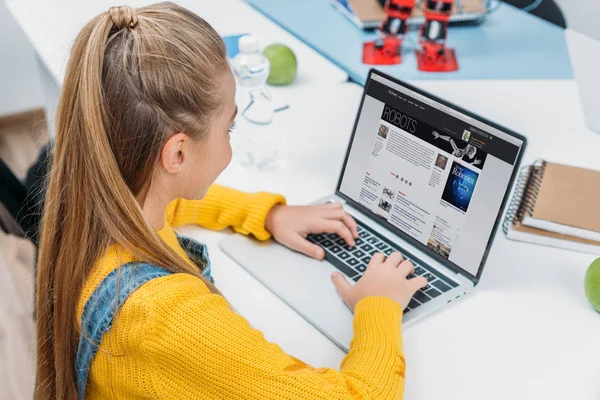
(100, 309)
(198, 253)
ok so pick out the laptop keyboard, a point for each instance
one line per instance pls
(353, 261)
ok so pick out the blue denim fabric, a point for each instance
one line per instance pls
(100, 309)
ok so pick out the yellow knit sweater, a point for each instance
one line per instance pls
(173, 339)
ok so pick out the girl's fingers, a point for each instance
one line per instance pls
(343, 216)
(406, 268)
(330, 206)
(377, 259)
(338, 227)
(394, 260)
(300, 244)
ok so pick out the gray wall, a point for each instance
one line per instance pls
(582, 16)
(20, 87)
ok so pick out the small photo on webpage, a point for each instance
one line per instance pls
(466, 135)
(388, 193)
(441, 161)
(383, 131)
(442, 249)
(385, 205)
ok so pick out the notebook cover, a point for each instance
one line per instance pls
(368, 11)
(569, 196)
(540, 232)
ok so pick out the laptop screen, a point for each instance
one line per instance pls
(438, 175)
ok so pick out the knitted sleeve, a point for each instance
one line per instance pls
(204, 350)
(222, 208)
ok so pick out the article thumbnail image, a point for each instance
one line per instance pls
(388, 193)
(442, 249)
(441, 161)
(383, 131)
(466, 135)
(460, 186)
(385, 205)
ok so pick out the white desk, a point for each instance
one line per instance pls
(527, 332)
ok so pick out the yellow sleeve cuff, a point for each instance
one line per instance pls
(224, 207)
(376, 318)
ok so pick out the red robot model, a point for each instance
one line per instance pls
(432, 56)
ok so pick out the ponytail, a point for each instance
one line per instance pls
(112, 119)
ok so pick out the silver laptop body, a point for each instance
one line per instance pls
(305, 284)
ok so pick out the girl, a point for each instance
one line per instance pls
(127, 309)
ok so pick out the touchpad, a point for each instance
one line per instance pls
(303, 283)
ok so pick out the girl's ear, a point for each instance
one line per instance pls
(174, 153)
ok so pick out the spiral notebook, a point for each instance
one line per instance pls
(556, 205)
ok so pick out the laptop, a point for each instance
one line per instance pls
(422, 177)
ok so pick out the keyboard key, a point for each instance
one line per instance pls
(317, 238)
(447, 280)
(362, 233)
(382, 246)
(332, 236)
(422, 297)
(358, 254)
(366, 260)
(326, 243)
(413, 303)
(361, 268)
(340, 242)
(429, 277)
(427, 287)
(343, 255)
(372, 252)
(387, 252)
(407, 309)
(335, 249)
(359, 241)
(373, 240)
(366, 247)
(419, 271)
(441, 286)
(356, 278)
(410, 276)
(349, 272)
(352, 262)
(433, 293)
(347, 248)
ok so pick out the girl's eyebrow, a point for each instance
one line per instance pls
(234, 114)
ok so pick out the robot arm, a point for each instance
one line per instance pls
(454, 146)
(438, 136)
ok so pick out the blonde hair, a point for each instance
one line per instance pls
(134, 78)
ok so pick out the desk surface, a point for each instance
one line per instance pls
(511, 44)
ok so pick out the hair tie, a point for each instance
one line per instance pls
(123, 16)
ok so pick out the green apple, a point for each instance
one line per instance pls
(284, 65)
(592, 284)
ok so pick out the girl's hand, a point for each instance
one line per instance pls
(290, 225)
(383, 277)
